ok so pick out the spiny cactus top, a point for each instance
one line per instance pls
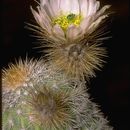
(70, 30)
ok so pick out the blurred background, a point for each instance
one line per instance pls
(111, 86)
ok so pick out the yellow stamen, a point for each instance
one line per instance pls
(65, 20)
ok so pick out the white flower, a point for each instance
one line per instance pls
(67, 20)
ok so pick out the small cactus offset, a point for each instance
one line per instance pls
(52, 94)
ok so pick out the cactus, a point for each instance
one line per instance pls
(52, 94)
(51, 106)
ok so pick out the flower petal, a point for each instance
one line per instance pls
(97, 5)
(65, 6)
(102, 10)
(36, 16)
(58, 32)
(95, 24)
(48, 9)
(73, 32)
(74, 5)
(55, 5)
(91, 8)
(83, 4)
(86, 23)
(43, 13)
(43, 2)
(45, 20)
(42, 20)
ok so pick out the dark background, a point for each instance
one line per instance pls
(111, 86)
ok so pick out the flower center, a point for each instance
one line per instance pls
(65, 20)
